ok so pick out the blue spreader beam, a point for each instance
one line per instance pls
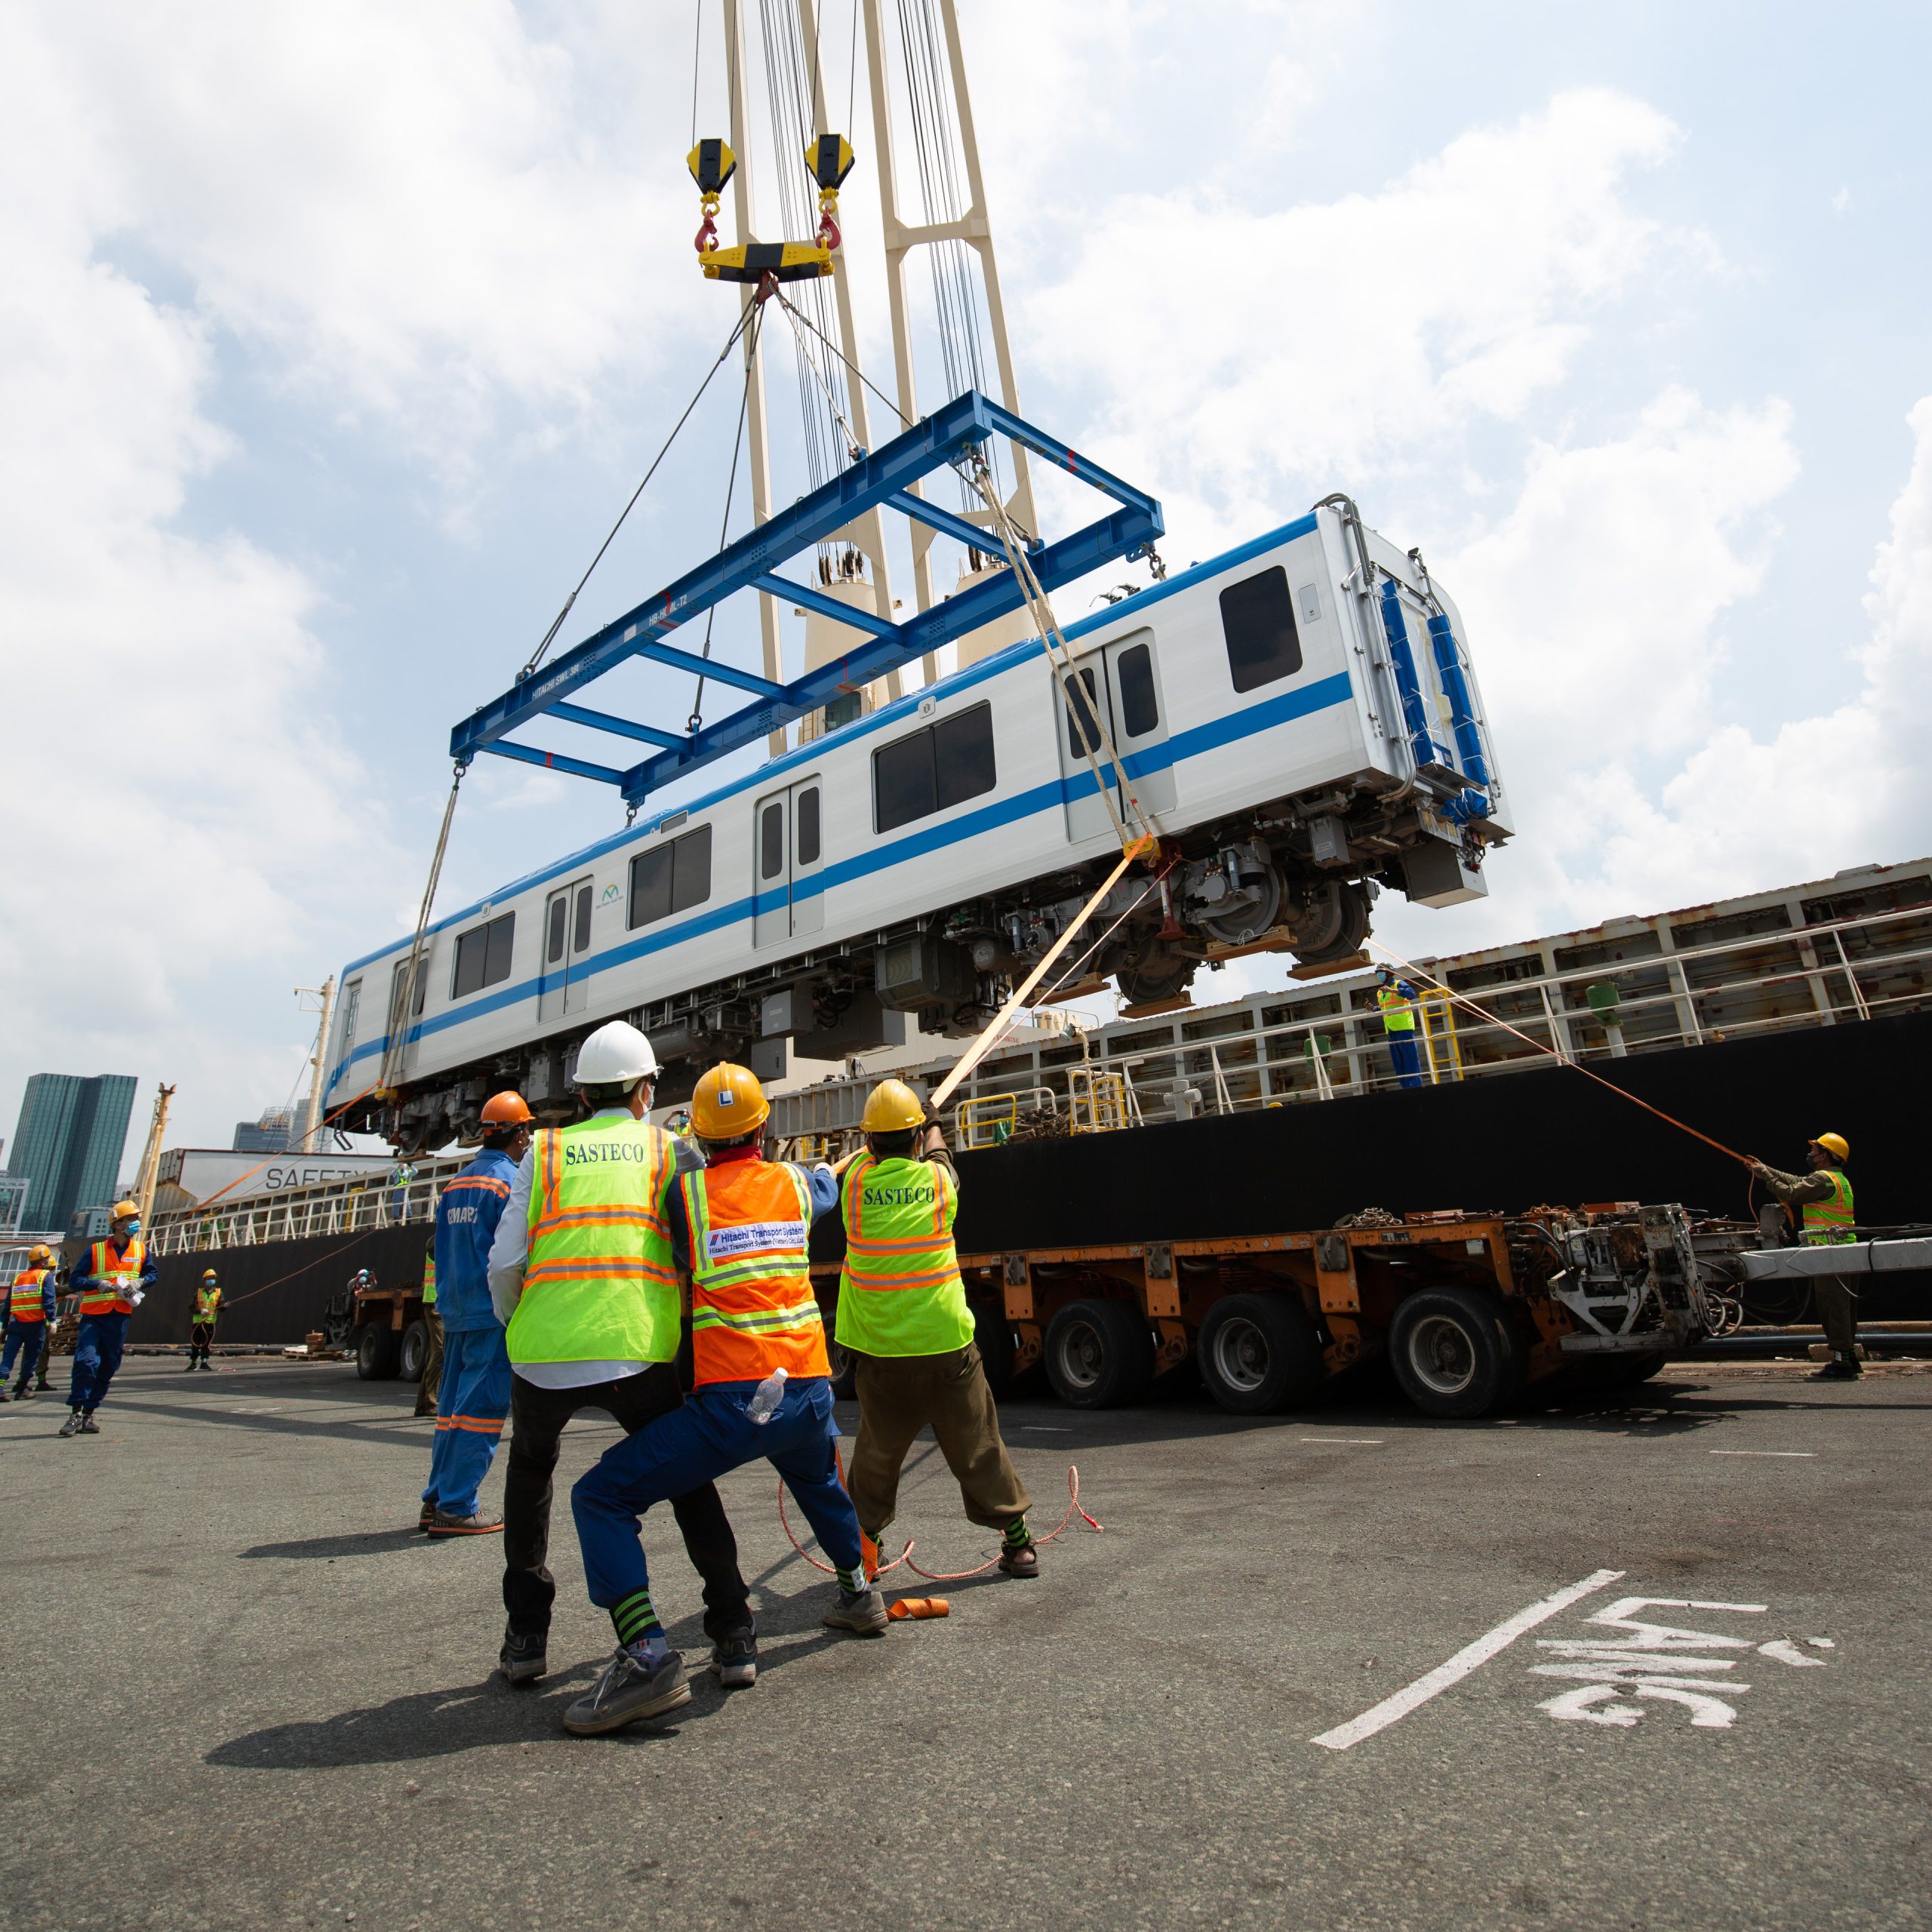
(881, 479)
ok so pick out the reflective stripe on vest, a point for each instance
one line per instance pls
(1398, 1015)
(1830, 1220)
(123, 1271)
(29, 1301)
(752, 1308)
(899, 1293)
(600, 1285)
(430, 1279)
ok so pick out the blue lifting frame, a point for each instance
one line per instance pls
(881, 479)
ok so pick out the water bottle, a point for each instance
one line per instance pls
(766, 1398)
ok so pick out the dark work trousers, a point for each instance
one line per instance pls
(898, 1396)
(1837, 1301)
(537, 1417)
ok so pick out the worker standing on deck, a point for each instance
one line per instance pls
(430, 1382)
(473, 1395)
(1396, 998)
(112, 1281)
(903, 1313)
(582, 1273)
(29, 1321)
(740, 1228)
(207, 1311)
(1825, 1195)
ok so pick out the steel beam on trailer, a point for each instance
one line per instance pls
(881, 478)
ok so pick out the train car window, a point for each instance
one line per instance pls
(691, 870)
(581, 938)
(352, 1001)
(483, 956)
(808, 827)
(771, 840)
(1140, 710)
(671, 878)
(1258, 620)
(1083, 728)
(553, 947)
(963, 750)
(397, 979)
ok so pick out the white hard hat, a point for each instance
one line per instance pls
(617, 1052)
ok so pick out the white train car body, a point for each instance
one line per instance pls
(914, 860)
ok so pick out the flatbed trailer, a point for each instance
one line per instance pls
(1469, 1307)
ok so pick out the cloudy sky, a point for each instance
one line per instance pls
(331, 338)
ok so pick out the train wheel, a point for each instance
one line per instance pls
(1152, 973)
(1259, 1354)
(1452, 1352)
(1099, 1354)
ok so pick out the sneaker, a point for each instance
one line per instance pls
(426, 1517)
(5, 1397)
(863, 1612)
(522, 1659)
(734, 1659)
(477, 1523)
(1836, 1371)
(190, 1365)
(72, 1426)
(88, 1425)
(627, 1691)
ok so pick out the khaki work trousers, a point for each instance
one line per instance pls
(430, 1380)
(898, 1396)
(1837, 1302)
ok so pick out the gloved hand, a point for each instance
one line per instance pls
(137, 1295)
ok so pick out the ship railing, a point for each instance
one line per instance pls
(353, 1205)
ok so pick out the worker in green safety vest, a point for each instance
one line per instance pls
(902, 1313)
(1824, 1194)
(430, 1382)
(207, 1311)
(1396, 1000)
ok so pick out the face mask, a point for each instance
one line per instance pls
(132, 1228)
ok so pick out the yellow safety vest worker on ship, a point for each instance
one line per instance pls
(581, 1272)
(1824, 1196)
(29, 1320)
(207, 1311)
(902, 1313)
(740, 1230)
(1396, 1001)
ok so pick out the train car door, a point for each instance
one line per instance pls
(566, 987)
(1118, 686)
(788, 855)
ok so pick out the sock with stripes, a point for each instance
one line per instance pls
(638, 1630)
(853, 1581)
(1018, 1535)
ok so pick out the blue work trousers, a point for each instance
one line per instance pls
(97, 1355)
(1408, 1057)
(696, 1444)
(25, 1338)
(471, 1404)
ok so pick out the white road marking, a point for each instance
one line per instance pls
(1360, 1441)
(1046, 1429)
(1471, 1657)
(1809, 1454)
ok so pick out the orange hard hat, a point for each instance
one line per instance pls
(505, 1109)
(728, 1103)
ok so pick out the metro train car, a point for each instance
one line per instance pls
(1297, 720)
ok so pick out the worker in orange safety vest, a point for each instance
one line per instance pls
(29, 1320)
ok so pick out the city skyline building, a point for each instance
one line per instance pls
(69, 1142)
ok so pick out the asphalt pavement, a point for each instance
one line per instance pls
(1645, 1664)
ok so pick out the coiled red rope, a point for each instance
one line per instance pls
(905, 1556)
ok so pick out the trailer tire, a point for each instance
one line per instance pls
(378, 1349)
(415, 1352)
(1626, 1371)
(1452, 1352)
(1099, 1354)
(1260, 1354)
(845, 1366)
(993, 1336)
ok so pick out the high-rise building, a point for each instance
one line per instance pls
(276, 1132)
(69, 1142)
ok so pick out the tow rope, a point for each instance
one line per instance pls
(905, 1556)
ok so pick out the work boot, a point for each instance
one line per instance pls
(191, 1361)
(72, 1426)
(523, 1658)
(5, 1397)
(734, 1659)
(863, 1612)
(1837, 1370)
(88, 1425)
(630, 1689)
(23, 1392)
(477, 1523)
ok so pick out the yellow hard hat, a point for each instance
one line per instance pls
(209, 1275)
(892, 1107)
(40, 1255)
(729, 1103)
(126, 1210)
(1835, 1144)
